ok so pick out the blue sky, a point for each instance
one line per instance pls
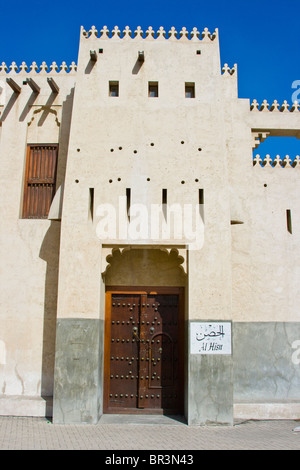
(261, 36)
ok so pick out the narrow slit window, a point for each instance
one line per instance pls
(91, 203)
(190, 90)
(128, 202)
(113, 88)
(289, 220)
(164, 199)
(201, 203)
(153, 90)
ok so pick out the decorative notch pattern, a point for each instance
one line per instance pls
(286, 162)
(274, 107)
(34, 69)
(226, 70)
(150, 34)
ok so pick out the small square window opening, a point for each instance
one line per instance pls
(190, 90)
(113, 88)
(153, 90)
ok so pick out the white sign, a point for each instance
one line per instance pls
(210, 338)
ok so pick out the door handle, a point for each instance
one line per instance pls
(135, 332)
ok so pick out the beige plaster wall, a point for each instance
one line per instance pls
(265, 256)
(113, 152)
(29, 248)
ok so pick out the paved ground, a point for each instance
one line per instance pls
(150, 433)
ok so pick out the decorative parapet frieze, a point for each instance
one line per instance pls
(264, 106)
(278, 162)
(226, 70)
(34, 69)
(116, 33)
(287, 161)
(150, 34)
(274, 107)
(296, 161)
(267, 161)
(207, 35)
(257, 160)
(161, 34)
(138, 34)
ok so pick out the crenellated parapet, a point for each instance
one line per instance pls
(274, 107)
(226, 70)
(41, 88)
(274, 120)
(150, 34)
(277, 162)
(35, 69)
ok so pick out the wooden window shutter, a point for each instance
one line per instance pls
(40, 180)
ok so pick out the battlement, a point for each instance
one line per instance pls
(274, 107)
(34, 69)
(226, 70)
(277, 162)
(150, 34)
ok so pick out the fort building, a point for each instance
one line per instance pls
(148, 263)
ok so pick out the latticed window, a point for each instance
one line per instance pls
(40, 179)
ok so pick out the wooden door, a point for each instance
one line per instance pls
(144, 352)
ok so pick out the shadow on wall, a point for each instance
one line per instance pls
(49, 252)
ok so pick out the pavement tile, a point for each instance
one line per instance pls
(17, 433)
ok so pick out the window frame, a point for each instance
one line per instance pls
(153, 86)
(190, 88)
(114, 84)
(39, 181)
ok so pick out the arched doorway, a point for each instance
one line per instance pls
(144, 332)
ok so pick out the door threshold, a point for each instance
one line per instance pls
(139, 419)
